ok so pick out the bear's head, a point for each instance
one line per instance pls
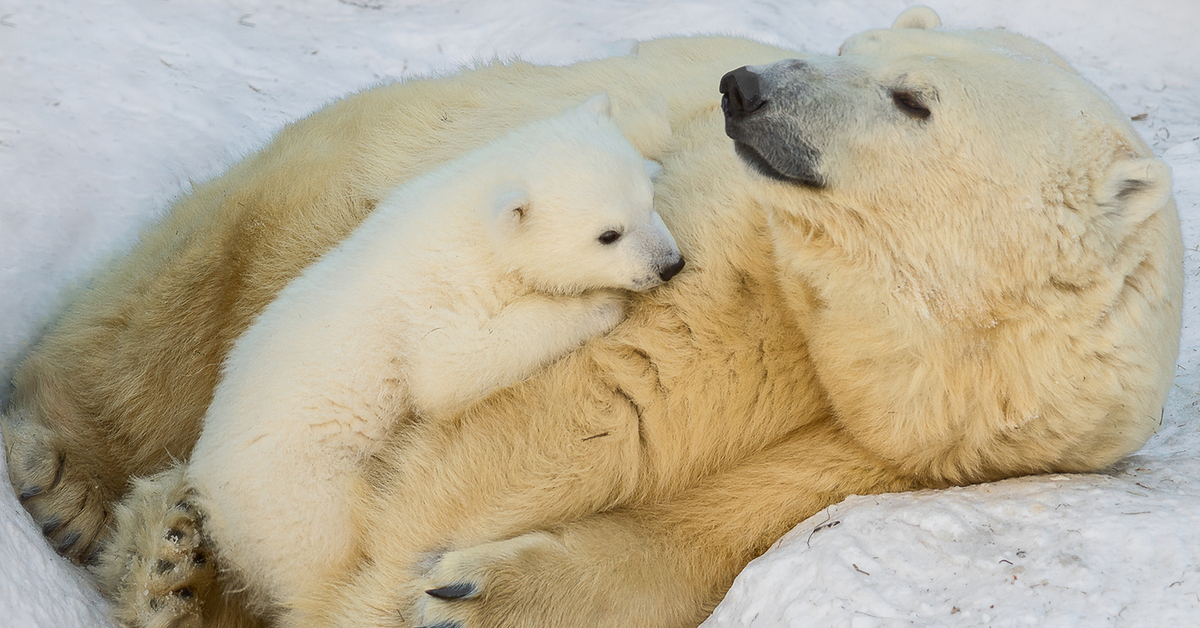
(580, 215)
(985, 256)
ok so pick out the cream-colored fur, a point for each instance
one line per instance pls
(465, 280)
(991, 291)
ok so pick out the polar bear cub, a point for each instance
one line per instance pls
(464, 280)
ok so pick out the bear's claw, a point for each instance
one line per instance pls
(456, 591)
(51, 525)
(29, 494)
(67, 542)
(491, 584)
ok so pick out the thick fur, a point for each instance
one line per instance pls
(465, 280)
(991, 294)
(941, 349)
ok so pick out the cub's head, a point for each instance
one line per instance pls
(580, 215)
(985, 254)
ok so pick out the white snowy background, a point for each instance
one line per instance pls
(109, 108)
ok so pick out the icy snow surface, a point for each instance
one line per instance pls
(109, 108)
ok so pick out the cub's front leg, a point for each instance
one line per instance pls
(454, 366)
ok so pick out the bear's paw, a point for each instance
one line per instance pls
(508, 583)
(62, 497)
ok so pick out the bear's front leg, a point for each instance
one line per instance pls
(601, 573)
(660, 565)
(454, 366)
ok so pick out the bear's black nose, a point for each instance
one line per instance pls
(742, 95)
(670, 271)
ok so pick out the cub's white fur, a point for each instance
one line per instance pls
(463, 281)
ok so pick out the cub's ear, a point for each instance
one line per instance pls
(653, 168)
(921, 17)
(511, 209)
(1134, 189)
(599, 105)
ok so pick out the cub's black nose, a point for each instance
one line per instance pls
(670, 271)
(742, 95)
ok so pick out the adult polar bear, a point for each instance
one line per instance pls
(975, 275)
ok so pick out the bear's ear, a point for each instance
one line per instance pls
(653, 168)
(921, 17)
(1134, 189)
(600, 105)
(510, 209)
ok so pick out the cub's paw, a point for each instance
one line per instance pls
(506, 583)
(602, 311)
(156, 568)
(69, 504)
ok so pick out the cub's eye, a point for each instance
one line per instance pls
(608, 237)
(910, 104)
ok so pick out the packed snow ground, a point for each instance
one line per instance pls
(109, 108)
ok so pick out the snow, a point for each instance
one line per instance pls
(109, 108)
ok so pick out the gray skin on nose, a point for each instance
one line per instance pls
(759, 120)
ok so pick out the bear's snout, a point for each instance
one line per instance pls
(769, 133)
(741, 91)
(670, 271)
